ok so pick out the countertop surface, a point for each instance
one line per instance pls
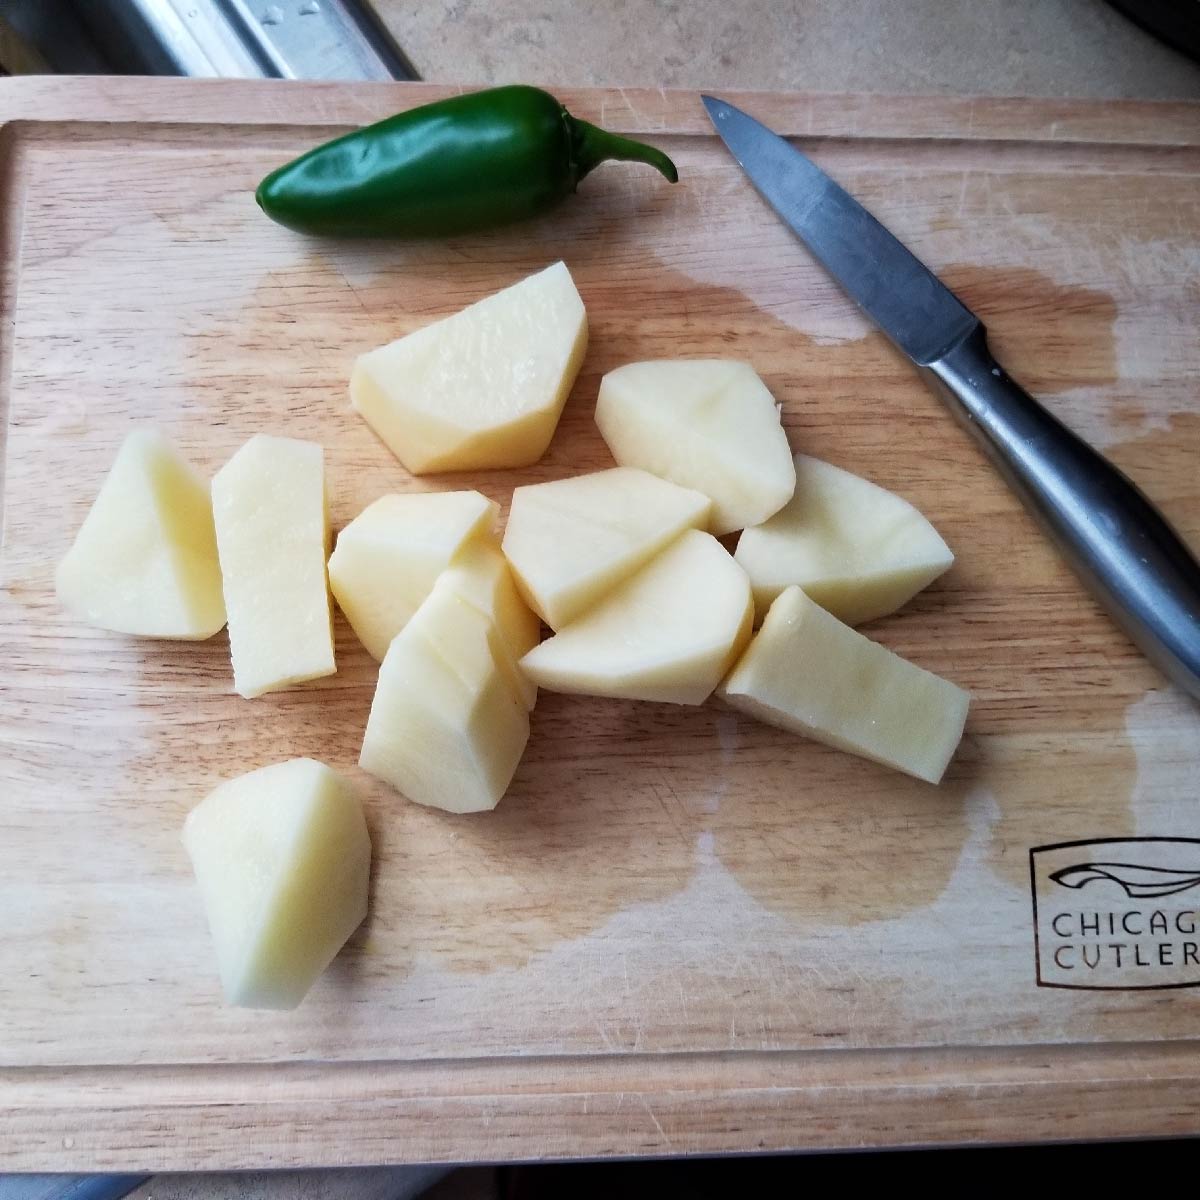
(1014, 48)
(1077, 48)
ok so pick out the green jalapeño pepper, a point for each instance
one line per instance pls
(458, 165)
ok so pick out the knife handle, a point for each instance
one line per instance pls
(1122, 547)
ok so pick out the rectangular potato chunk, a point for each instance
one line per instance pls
(272, 538)
(807, 672)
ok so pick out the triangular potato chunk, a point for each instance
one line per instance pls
(282, 857)
(668, 633)
(145, 559)
(571, 541)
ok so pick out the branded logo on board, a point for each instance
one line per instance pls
(1117, 913)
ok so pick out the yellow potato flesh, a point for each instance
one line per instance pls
(446, 728)
(571, 541)
(388, 558)
(707, 424)
(859, 551)
(482, 388)
(807, 672)
(273, 535)
(668, 633)
(481, 576)
(282, 857)
(145, 558)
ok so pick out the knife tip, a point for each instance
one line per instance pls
(715, 107)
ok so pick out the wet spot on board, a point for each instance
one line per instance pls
(827, 839)
(1052, 336)
(602, 817)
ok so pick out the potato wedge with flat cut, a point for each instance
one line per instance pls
(807, 672)
(859, 551)
(144, 561)
(668, 633)
(282, 857)
(447, 728)
(572, 540)
(483, 388)
(707, 424)
(388, 558)
(481, 576)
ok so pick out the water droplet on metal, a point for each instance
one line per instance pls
(272, 16)
(310, 8)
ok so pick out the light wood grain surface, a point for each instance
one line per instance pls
(681, 930)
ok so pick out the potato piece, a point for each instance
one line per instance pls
(807, 672)
(388, 558)
(273, 536)
(571, 541)
(668, 633)
(483, 388)
(446, 728)
(282, 857)
(481, 576)
(145, 558)
(704, 424)
(857, 550)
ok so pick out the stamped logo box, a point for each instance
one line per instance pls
(1117, 913)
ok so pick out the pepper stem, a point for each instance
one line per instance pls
(591, 145)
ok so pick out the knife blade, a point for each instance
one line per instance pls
(884, 278)
(1121, 546)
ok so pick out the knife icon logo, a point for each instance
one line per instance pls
(1137, 881)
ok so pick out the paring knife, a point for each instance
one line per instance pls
(1135, 564)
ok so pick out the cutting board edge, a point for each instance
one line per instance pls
(646, 111)
(129, 1119)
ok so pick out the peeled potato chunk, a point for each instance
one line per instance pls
(572, 540)
(282, 857)
(669, 633)
(707, 424)
(273, 535)
(145, 558)
(857, 550)
(807, 672)
(388, 558)
(446, 727)
(481, 576)
(483, 388)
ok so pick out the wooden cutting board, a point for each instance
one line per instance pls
(681, 931)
